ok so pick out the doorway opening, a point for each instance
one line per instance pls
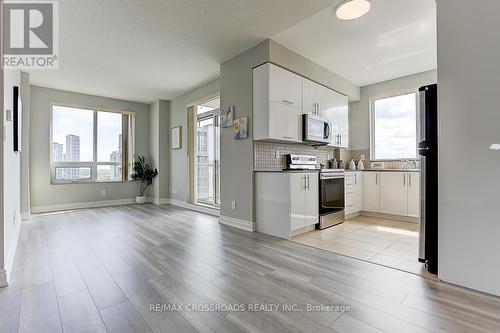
(206, 153)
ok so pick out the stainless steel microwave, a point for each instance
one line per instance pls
(315, 129)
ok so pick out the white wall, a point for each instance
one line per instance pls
(359, 112)
(469, 122)
(46, 196)
(179, 168)
(3, 276)
(25, 179)
(11, 180)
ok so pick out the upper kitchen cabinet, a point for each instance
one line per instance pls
(280, 97)
(331, 106)
(338, 116)
(284, 87)
(277, 104)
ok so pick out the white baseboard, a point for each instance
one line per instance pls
(409, 219)
(201, 209)
(158, 201)
(237, 223)
(9, 260)
(3, 278)
(80, 205)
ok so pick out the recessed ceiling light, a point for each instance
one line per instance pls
(352, 9)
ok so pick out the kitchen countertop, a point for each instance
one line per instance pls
(366, 170)
(393, 170)
(288, 171)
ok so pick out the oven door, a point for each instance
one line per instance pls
(331, 194)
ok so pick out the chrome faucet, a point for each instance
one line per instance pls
(409, 164)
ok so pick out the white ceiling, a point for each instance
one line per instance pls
(142, 50)
(396, 38)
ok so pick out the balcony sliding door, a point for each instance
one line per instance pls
(207, 153)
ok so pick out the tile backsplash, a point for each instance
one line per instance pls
(265, 155)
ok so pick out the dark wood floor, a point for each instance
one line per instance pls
(102, 269)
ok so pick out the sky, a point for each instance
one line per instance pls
(396, 127)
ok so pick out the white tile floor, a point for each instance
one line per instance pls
(386, 242)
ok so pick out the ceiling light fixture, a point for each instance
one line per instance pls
(352, 9)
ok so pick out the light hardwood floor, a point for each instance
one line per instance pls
(101, 269)
(387, 242)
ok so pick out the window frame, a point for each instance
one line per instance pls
(92, 164)
(371, 112)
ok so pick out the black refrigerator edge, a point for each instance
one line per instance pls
(428, 153)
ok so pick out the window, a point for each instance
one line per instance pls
(204, 163)
(394, 128)
(90, 145)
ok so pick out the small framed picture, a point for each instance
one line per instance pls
(240, 128)
(227, 116)
(176, 137)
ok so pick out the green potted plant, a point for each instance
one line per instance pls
(144, 173)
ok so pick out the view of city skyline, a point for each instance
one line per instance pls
(70, 152)
(73, 133)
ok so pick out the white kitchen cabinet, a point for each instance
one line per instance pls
(394, 193)
(277, 104)
(334, 108)
(343, 121)
(312, 199)
(286, 202)
(353, 192)
(284, 86)
(371, 191)
(413, 194)
(309, 96)
(298, 187)
(284, 123)
(279, 99)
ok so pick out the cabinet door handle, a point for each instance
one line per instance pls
(304, 182)
(409, 179)
(287, 101)
(404, 179)
(376, 179)
(308, 182)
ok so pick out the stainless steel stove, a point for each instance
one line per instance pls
(331, 197)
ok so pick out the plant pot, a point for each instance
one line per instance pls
(140, 199)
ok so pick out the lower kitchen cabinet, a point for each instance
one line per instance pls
(353, 192)
(371, 192)
(394, 193)
(413, 194)
(286, 202)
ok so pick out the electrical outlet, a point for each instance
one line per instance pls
(277, 154)
(103, 193)
(233, 205)
(329, 156)
(173, 190)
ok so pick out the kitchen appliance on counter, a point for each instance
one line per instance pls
(331, 197)
(315, 130)
(301, 162)
(427, 149)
